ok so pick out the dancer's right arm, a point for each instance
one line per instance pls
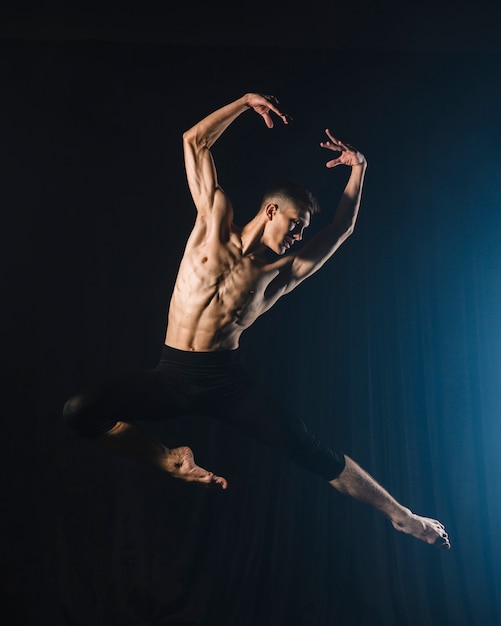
(209, 199)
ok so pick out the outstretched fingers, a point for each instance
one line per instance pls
(277, 107)
(347, 154)
(272, 106)
(335, 145)
(335, 141)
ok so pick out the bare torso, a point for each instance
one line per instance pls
(219, 292)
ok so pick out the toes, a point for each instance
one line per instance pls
(216, 483)
(219, 481)
(222, 482)
(444, 544)
(442, 541)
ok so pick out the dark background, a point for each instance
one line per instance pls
(391, 352)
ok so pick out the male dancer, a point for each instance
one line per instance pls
(225, 282)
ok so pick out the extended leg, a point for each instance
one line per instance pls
(357, 483)
(261, 417)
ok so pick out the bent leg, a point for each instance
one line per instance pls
(107, 414)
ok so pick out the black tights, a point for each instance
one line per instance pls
(200, 383)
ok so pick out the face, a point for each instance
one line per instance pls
(284, 227)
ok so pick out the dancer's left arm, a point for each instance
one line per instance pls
(320, 248)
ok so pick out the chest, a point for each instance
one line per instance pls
(223, 269)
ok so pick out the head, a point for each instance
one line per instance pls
(287, 209)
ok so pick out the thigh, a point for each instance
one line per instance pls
(258, 414)
(130, 397)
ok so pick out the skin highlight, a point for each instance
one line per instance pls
(225, 282)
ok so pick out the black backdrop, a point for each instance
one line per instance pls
(391, 352)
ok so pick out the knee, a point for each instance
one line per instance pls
(85, 417)
(74, 413)
(88, 414)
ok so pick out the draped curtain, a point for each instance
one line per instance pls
(390, 353)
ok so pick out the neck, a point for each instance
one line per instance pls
(252, 237)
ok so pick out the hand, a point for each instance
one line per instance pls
(264, 105)
(349, 155)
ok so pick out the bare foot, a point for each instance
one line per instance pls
(181, 464)
(424, 528)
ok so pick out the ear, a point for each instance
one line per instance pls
(270, 210)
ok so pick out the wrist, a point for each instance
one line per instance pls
(246, 100)
(362, 164)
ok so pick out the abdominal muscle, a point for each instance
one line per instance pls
(201, 332)
(217, 296)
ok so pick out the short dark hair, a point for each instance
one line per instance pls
(294, 192)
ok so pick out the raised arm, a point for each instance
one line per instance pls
(207, 195)
(319, 249)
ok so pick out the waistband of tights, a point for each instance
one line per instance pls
(216, 357)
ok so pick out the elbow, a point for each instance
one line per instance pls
(350, 229)
(192, 138)
(351, 223)
(341, 231)
(189, 137)
(346, 235)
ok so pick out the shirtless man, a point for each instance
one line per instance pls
(225, 282)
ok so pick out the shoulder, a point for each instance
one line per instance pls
(206, 234)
